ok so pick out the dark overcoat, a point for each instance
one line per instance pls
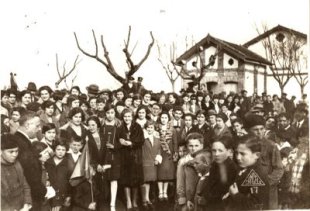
(131, 156)
(32, 168)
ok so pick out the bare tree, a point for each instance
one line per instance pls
(65, 73)
(201, 69)
(106, 61)
(173, 71)
(284, 54)
(299, 69)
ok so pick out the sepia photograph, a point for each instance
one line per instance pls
(154, 105)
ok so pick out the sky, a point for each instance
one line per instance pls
(34, 31)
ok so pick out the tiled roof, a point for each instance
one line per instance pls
(273, 30)
(235, 50)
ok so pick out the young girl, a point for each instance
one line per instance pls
(59, 175)
(49, 135)
(151, 158)
(25, 97)
(93, 104)
(100, 106)
(15, 116)
(136, 103)
(222, 173)
(141, 116)
(5, 124)
(250, 190)
(169, 152)
(45, 93)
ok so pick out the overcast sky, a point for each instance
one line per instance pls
(34, 31)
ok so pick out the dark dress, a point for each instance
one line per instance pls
(73, 134)
(109, 134)
(131, 156)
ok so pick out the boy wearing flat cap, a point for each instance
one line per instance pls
(270, 156)
(15, 191)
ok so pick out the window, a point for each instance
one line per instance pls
(280, 37)
(230, 61)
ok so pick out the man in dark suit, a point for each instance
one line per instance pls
(302, 122)
(285, 131)
(288, 105)
(246, 104)
(130, 86)
(27, 131)
(187, 129)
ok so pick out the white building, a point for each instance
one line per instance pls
(277, 36)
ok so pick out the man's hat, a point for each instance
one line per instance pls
(120, 103)
(252, 120)
(105, 91)
(257, 107)
(34, 106)
(8, 141)
(140, 79)
(32, 87)
(200, 94)
(211, 112)
(215, 96)
(222, 116)
(93, 89)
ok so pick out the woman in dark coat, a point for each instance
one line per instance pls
(131, 138)
(97, 151)
(109, 135)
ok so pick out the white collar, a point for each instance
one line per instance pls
(75, 154)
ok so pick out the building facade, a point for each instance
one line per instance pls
(235, 67)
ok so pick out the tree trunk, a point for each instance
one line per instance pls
(281, 88)
(173, 85)
(302, 89)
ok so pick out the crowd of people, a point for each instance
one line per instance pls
(196, 150)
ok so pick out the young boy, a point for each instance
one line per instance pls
(59, 175)
(202, 164)
(100, 107)
(15, 191)
(251, 189)
(74, 152)
(187, 178)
